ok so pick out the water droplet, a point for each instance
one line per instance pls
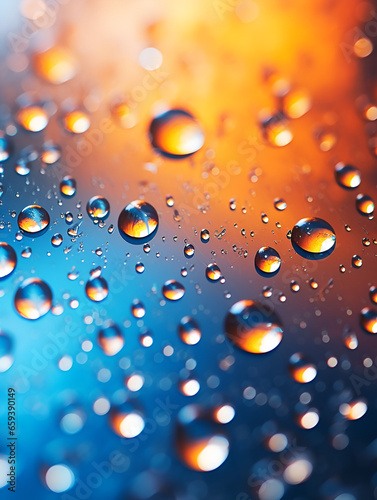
(122, 113)
(347, 176)
(172, 290)
(50, 154)
(59, 478)
(350, 340)
(68, 186)
(33, 298)
(189, 387)
(126, 420)
(295, 287)
(204, 235)
(170, 201)
(33, 219)
(139, 267)
(26, 253)
(357, 261)
(8, 259)
(276, 130)
(137, 309)
(189, 330)
(372, 293)
(302, 370)
(110, 339)
(176, 134)
(202, 445)
(354, 409)
(267, 261)
(364, 204)
(32, 118)
(213, 272)
(57, 240)
(138, 220)
(313, 238)
(189, 250)
(98, 208)
(368, 319)
(280, 204)
(342, 269)
(76, 122)
(5, 147)
(97, 289)
(147, 248)
(56, 65)
(22, 167)
(253, 327)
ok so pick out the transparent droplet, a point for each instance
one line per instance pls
(33, 219)
(253, 327)
(204, 235)
(126, 420)
(76, 122)
(372, 293)
(301, 369)
(98, 208)
(123, 114)
(232, 204)
(276, 130)
(57, 240)
(147, 248)
(138, 219)
(297, 103)
(189, 331)
(280, 204)
(170, 201)
(347, 176)
(201, 443)
(5, 147)
(357, 261)
(8, 259)
(32, 118)
(173, 290)
(56, 65)
(364, 204)
(213, 272)
(22, 167)
(110, 339)
(68, 217)
(350, 340)
(50, 154)
(26, 253)
(176, 134)
(295, 287)
(33, 298)
(313, 238)
(97, 289)
(137, 309)
(139, 267)
(189, 250)
(368, 319)
(68, 186)
(342, 269)
(6, 354)
(267, 260)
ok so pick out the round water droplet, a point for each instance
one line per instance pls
(170, 201)
(57, 240)
(302, 370)
(364, 204)
(33, 298)
(26, 253)
(126, 420)
(204, 235)
(8, 259)
(313, 238)
(97, 289)
(123, 114)
(56, 65)
(350, 340)
(138, 220)
(213, 272)
(32, 118)
(267, 261)
(368, 319)
(347, 176)
(276, 129)
(50, 154)
(189, 250)
(68, 186)
(110, 339)
(76, 122)
(280, 204)
(139, 267)
(189, 331)
(172, 290)
(6, 357)
(253, 327)
(98, 208)
(137, 309)
(357, 261)
(33, 219)
(201, 442)
(176, 134)
(22, 167)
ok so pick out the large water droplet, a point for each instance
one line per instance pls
(176, 134)
(213, 272)
(33, 219)
(253, 327)
(97, 289)
(32, 118)
(76, 122)
(68, 186)
(313, 238)
(8, 259)
(201, 443)
(138, 220)
(98, 208)
(172, 290)
(33, 298)
(267, 261)
(364, 204)
(347, 176)
(301, 369)
(56, 65)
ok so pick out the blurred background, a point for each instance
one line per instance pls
(113, 398)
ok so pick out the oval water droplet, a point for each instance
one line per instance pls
(213, 272)
(301, 369)
(32, 118)
(110, 339)
(173, 290)
(68, 186)
(313, 238)
(126, 420)
(189, 330)
(267, 261)
(364, 204)
(76, 122)
(137, 220)
(33, 219)
(6, 355)
(368, 319)
(347, 176)
(33, 298)
(97, 289)
(98, 208)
